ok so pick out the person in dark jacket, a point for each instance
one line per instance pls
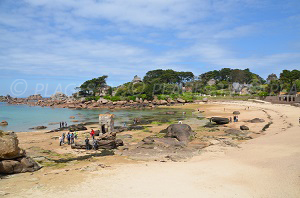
(87, 143)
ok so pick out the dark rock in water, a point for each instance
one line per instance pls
(182, 132)
(236, 113)
(220, 120)
(38, 127)
(3, 123)
(256, 120)
(244, 127)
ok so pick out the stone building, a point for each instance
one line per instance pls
(106, 123)
(136, 79)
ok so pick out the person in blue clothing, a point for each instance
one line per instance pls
(69, 138)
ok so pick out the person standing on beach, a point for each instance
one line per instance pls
(66, 125)
(63, 137)
(69, 138)
(87, 143)
(60, 141)
(72, 138)
(92, 134)
(62, 124)
(76, 134)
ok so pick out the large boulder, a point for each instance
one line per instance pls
(9, 146)
(182, 132)
(19, 165)
(205, 100)
(219, 120)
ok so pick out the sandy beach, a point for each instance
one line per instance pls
(266, 166)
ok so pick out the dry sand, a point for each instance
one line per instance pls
(268, 166)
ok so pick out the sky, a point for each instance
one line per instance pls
(56, 45)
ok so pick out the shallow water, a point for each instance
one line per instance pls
(22, 117)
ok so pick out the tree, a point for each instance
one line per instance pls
(287, 76)
(91, 87)
(272, 77)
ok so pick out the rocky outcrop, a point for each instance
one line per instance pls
(105, 141)
(35, 97)
(219, 120)
(12, 158)
(59, 96)
(182, 132)
(3, 123)
(19, 165)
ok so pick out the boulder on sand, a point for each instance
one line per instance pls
(12, 158)
(182, 132)
(219, 120)
(9, 146)
(256, 120)
(244, 127)
(236, 113)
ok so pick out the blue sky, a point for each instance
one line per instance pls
(55, 45)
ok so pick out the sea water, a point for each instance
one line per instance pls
(22, 117)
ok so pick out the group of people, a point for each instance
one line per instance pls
(63, 124)
(70, 138)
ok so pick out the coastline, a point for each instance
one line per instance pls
(209, 160)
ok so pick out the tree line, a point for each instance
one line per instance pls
(174, 83)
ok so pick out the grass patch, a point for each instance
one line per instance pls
(160, 135)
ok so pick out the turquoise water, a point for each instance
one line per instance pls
(22, 117)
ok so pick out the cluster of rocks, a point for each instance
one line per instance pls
(60, 100)
(104, 141)
(177, 144)
(12, 158)
(5, 98)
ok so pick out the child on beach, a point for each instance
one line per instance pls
(92, 134)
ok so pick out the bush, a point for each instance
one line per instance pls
(90, 98)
